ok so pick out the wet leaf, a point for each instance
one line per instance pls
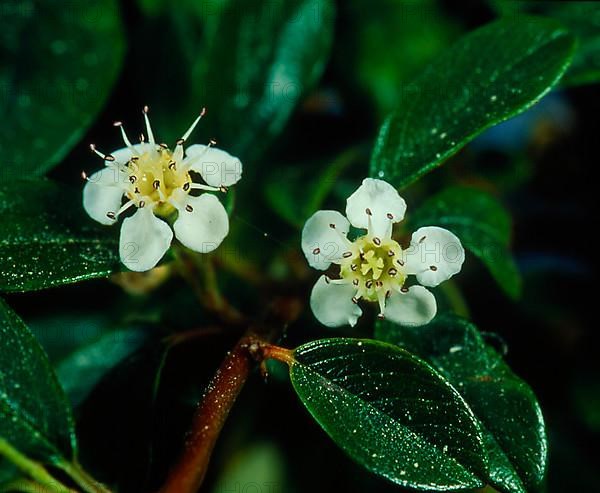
(483, 226)
(509, 414)
(488, 76)
(48, 240)
(59, 65)
(391, 412)
(35, 416)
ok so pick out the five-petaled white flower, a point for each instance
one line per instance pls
(160, 182)
(374, 267)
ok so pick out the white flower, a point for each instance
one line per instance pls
(374, 267)
(160, 182)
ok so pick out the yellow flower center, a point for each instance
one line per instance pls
(154, 176)
(374, 266)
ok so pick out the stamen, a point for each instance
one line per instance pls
(391, 253)
(433, 268)
(316, 251)
(354, 267)
(223, 189)
(199, 186)
(186, 186)
(355, 300)
(106, 157)
(172, 166)
(390, 215)
(111, 215)
(369, 284)
(124, 207)
(355, 282)
(404, 289)
(332, 226)
(156, 184)
(148, 127)
(142, 138)
(422, 239)
(400, 262)
(124, 136)
(347, 254)
(368, 212)
(192, 127)
(84, 176)
(133, 179)
(392, 272)
(327, 280)
(377, 241)
(142, 204)
(189, 208)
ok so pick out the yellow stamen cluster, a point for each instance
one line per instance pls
(154, 176)
(374, 266)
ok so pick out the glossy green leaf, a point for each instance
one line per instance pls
(48, 240)
(59, 65)
(483, 226)
(488, 76)
(35, 416)
(250, 67)
(582, 19)
(391, 412)
(506, 407)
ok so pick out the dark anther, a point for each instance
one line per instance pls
(355, 282)
(369, 284)
(400, 262)
(355, 300)
(390, 215)
(186, 186)
(133, 179)
(433, 268)
(354, 267)
(392, 272)
(403, 289)
(223, 189)
(378, 284)
(172, 165)
(180, 142)
(377, 241)
(368, 211)
(111, 215)
(109, 157)
(332, 226)
(156, 184)
(189, 208)
(422, 239)
(142, 204)
(316, 251)
(347, 254)
(381, 316)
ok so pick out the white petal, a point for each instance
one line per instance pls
(382, 200)
(435, 255)
(102, 193)
(414, 308)
(332, 303)
(203, 229)
(124, 154)
(321, 243)
(217, 167)
(144, 240)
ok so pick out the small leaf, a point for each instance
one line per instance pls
(296, 204)
(509, 413)
(35, 416)
(487, 77)
(483, 226)
(59, 65)
(391, 412)
(48, 240)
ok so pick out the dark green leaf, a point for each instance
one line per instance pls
(83, 369)
(296, 204)
(483, 226)
(59, 64)
(582, 19)
(252, 66)
(490, 75)
(391, 412)
(48, 240)
(35, 416)
(509, 413)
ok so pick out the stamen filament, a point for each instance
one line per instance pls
(148, 127)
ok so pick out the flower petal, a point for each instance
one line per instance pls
(102, 193)
(382, 201)
(217, 167)
(205, 227)
(435, 255)
(415, 307)
(321, 243)
(144, 240)
(332, 303)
